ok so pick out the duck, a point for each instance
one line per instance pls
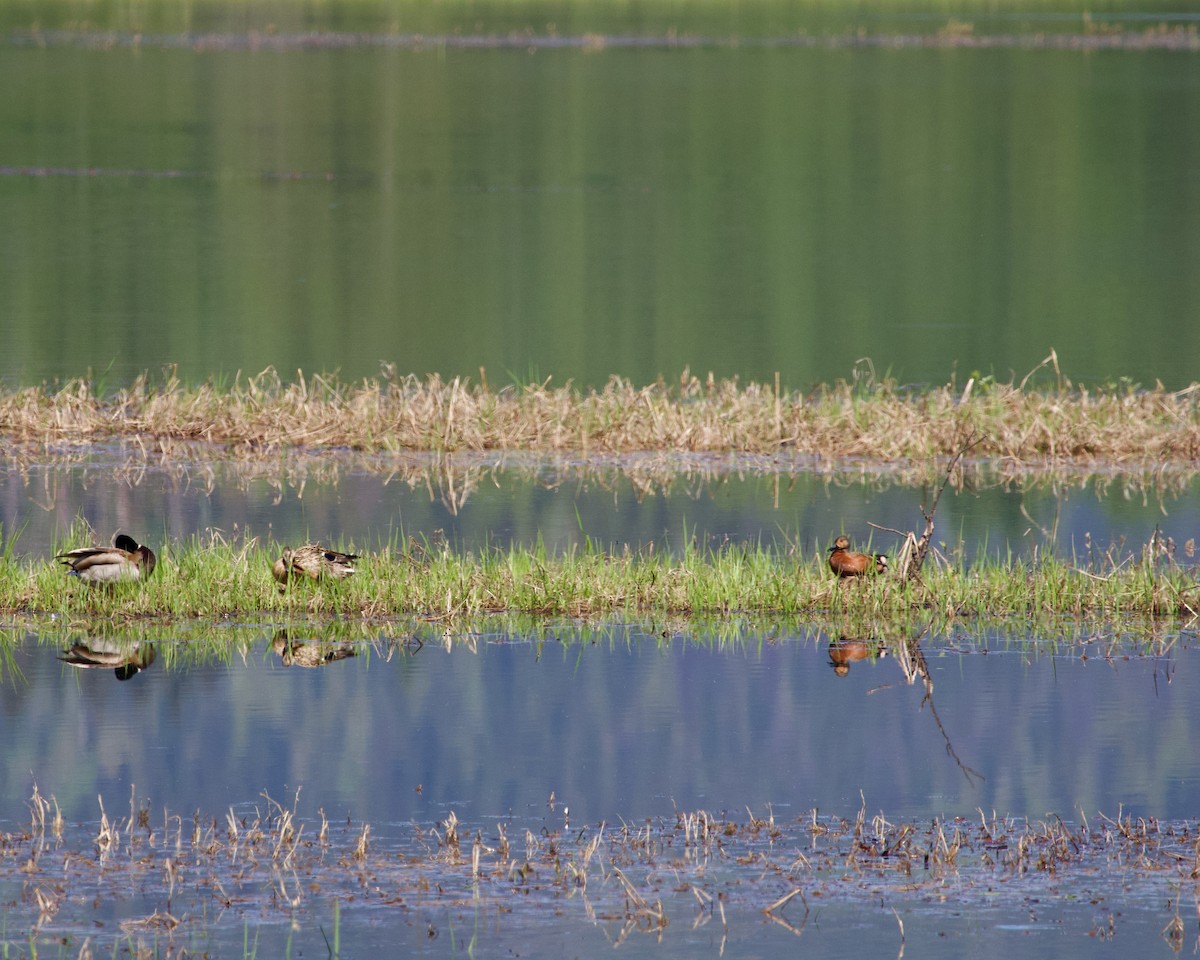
(845, 563)
(125, 561)
(315, 562)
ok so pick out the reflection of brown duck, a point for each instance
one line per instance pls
(844, 651)
(314, 562)
(124, 659)
(311, 653)
(124, 561)
(847, 564)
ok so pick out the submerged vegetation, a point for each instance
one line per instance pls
(199, 874)
(869, 418)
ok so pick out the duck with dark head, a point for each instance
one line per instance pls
(125, 561)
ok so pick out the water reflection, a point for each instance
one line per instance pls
(910, 658)
(469, 502)
(616, 720)
(298, 648)
(844, 652)
(420, 756)
(126, 658)
(486, 220)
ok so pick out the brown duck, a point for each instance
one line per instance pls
(845, 563)
(314, 562)
(126, 560)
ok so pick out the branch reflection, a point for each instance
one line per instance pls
(909, 656)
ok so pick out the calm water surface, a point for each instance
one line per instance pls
(619, 724)
(492, 502)
(579, 214)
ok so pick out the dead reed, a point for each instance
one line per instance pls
(1023, 422)
(183, 875)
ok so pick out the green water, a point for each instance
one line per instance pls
(577, 213)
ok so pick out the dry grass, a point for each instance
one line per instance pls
(1026, 422)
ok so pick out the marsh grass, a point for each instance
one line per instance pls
(212, 578)
(1042, 418)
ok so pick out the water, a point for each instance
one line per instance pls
(556, 728)
(578, 214)
(548, 18)
(500, 501)
(617, 724)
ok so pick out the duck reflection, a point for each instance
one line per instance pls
(845, 650)
(307, 651)
(911, 660)
(124, 658)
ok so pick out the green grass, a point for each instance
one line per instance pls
(216, 580)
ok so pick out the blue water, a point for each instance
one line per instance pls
(617, 724)
(493, 502)
(558, 728)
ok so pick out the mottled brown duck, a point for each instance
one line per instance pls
(314, 562)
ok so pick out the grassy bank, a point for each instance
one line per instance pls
(223, 580)
(1044, 419)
